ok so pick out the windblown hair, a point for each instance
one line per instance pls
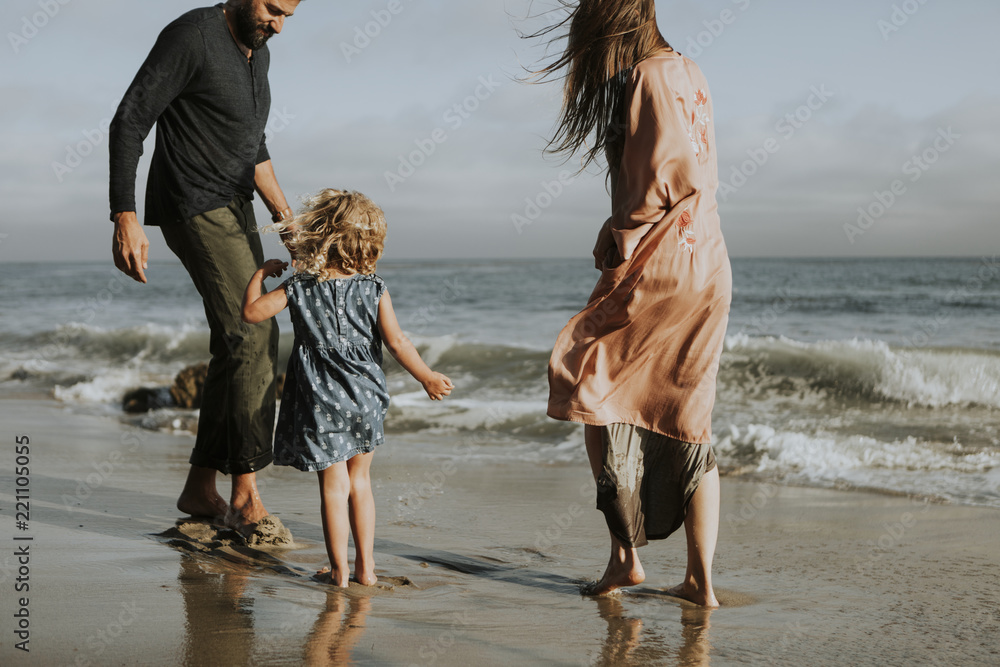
(337, 231)
(605, 39)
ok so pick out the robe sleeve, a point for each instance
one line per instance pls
(656, 145)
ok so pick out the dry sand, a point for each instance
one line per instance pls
(484, 569)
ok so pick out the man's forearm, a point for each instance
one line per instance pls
(266, 184)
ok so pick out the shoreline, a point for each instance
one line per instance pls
(494, 553)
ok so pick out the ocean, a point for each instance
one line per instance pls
(876, 374)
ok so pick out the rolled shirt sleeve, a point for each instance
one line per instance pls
(262, 154)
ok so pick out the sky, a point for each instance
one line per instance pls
(848, 129)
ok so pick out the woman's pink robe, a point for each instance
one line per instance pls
(645, 350)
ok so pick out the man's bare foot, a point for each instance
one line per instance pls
(618, 575)
(338, 579)
(690, 592)
(246, 508)
(199, 497)
(213, 507)
(244, 520)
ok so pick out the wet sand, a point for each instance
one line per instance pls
(480, 564)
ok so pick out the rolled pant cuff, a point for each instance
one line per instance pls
(241, 467)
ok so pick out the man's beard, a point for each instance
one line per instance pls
(253, 35)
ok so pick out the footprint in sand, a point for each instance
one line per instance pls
(260, 549)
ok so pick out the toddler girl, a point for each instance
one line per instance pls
(335, 398)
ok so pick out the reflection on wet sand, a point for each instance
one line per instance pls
(696, 647)
(625, 646)
(219, 620)
(218, 616)
(336, 632)
(623, 634)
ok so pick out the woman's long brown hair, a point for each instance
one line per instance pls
(605, 39)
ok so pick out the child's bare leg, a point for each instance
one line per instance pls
(334, 491)
(362, 506)
(702, 528)
(624, 568)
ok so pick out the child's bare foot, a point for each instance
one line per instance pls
(617, 575)
(338, 579)
(689, 591)
(365, 578)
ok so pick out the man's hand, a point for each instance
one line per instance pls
(129, 246)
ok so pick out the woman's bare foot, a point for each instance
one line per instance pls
(338, 579)
(620, 572)
(199, 497)
(690, 592)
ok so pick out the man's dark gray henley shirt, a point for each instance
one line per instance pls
(210, 105)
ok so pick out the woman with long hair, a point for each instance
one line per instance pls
(638, 364)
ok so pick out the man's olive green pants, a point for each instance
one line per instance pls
(221, 250)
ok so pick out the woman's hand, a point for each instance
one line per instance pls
(605, 244)
(437, 386)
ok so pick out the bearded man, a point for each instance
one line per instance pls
(205, 86)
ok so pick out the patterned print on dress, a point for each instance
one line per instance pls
(334, 373)
(684, 228)
(698, 134)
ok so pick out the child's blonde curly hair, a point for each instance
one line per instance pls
(336, 231)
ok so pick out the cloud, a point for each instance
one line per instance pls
(349, 124)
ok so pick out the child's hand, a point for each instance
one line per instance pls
(273, 267)
(437, 386)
